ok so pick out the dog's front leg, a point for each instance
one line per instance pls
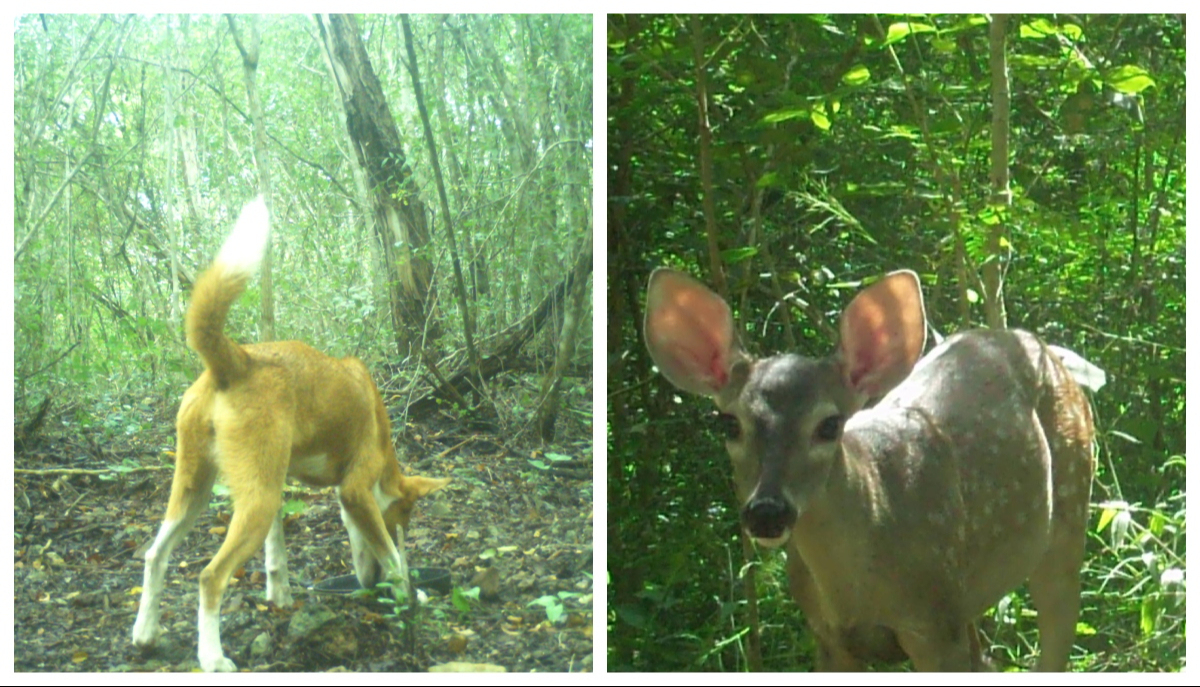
(376, 558)
(278, 592)
(396, 568)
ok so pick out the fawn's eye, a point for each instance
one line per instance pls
(829, 429)
(730, 426)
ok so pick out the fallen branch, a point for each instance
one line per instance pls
(79, 471)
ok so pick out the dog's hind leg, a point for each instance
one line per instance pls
(191, 487)
(277, 572)
(252, 520)
(253, 458)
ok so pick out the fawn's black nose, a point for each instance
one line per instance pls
(768, 517)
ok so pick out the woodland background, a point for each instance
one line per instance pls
(136, 149)
(430, 182)
(793, 156)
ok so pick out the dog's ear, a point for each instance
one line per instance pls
(423, 486)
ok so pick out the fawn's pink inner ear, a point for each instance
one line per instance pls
(689, 332)
(883, 333)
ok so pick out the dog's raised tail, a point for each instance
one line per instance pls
(219, 287)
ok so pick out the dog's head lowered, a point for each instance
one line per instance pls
(411, 488)
(397, 509)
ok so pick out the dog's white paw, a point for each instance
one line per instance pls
(217, 664)
(146, 632)
(212, 660)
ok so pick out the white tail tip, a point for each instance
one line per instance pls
(244, 249)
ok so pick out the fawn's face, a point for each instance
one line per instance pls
(789, 414)
(790, 410)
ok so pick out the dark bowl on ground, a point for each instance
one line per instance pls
(430, 579)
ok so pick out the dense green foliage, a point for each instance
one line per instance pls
(135, 151)
(847, 146)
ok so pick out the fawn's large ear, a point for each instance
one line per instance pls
(882, 334)
(689, 332)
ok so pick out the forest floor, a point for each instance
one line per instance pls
(514, 528)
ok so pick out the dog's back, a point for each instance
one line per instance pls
(317, 407)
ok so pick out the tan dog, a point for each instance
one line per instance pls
(261, 413)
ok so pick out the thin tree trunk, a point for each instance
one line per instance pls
(400, 215)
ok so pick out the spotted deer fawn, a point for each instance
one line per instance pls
(903, 521)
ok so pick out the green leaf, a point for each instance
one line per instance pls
(820, 120)
(554, 608)
(786, 115)
(1130, 79)
(768, 180)
(946, 46)
(1148, 615)
(461, 599)
(911, 133)
(633, 615)
(1158, 523)
(1072, 31)
(901, 30)
(735, 255)
(126, 465)
(858, 75)
(1038, 28)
